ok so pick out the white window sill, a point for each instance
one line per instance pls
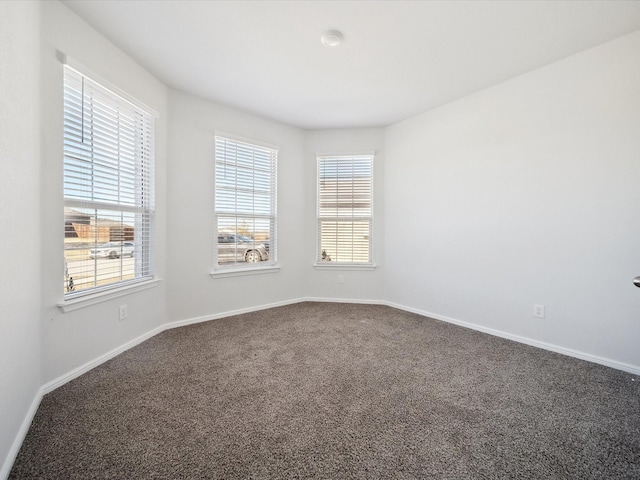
(89, 299)
(238, 272)
(343, 266)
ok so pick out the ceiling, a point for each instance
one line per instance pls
(398, 58)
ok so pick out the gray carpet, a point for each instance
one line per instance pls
(337, 391)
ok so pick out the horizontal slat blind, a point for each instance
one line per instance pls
(245, 200)
(345, 208)
(108, 187)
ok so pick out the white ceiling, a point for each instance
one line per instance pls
(398, 58)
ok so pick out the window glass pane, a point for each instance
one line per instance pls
(245, 179)
(243, 240)
(99, 247)
(345, 201)
(345, 241)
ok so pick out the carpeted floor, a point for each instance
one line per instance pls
(337, 391)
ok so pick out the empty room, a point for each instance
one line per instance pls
(320, 239)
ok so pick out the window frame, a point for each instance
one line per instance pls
(140, 203)
(321, 263)
(236, 267)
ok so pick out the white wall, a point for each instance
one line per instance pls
(192, 292)
(19, 214)
(358, 285)
(526, 193)
(72, 339)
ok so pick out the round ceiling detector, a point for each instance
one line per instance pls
(331, 38)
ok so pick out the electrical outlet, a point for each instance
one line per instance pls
(123, 312)
(340, 278)
(538, 311)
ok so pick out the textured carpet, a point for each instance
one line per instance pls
(337, 391)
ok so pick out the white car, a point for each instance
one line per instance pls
(113, 250)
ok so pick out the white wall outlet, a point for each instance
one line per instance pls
(124, 313)
(340, 278)
(538, 311)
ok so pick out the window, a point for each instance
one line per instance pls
(108, 188)
(245, 204)
(345, 209)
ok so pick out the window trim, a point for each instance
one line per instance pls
(336, 265)
(235, 272)
(96, 297)
(68, 61)
(344, 266)
(238, 269)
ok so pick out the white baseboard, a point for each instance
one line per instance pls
(22, 433)
(626, 367)
(344, 300)
(230, 313)
(82, 369)
(76, 372)
(58, 382)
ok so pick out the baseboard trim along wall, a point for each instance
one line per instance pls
(52, 385)
(22, 433)
(58, 382)
(76, 372)
(82, 369)
(626, 367)
(67, 377)
(345, 300)
(230, 313)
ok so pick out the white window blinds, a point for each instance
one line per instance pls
(245, 203)
(108, 187)
(345, 208)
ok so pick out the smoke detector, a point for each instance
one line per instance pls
(331, 38)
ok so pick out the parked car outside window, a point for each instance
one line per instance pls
(238, 248)
(113, 250)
